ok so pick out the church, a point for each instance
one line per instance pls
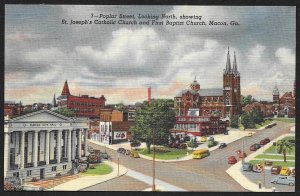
(223, 102)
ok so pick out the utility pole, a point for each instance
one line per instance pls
(153, 171)
(118, 164)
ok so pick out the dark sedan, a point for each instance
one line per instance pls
(222, 145)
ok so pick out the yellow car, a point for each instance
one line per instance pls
(135, 154)
(201, 153)
(250, 134)
(203, 139)
(285, 171)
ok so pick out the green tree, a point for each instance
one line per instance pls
(256, 116)
(283, 146)
(235, 121)
(120, 107)
(66, 112)
(158, 117)
(247, 100)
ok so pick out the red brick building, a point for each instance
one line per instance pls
(222, 101)
(284, 106)
(83, 105)
(266, 108)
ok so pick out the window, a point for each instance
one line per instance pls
(64, 167)
(54, 168)
(28, 172)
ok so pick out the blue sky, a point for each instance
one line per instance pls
(121, 61)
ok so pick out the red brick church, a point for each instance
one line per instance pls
(223, 102)
(83, 105)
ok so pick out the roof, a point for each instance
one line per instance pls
(204, 92)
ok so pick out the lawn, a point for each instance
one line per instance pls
(101, 169)
(280, 157)
(275, 163)
(289, 138)
(266, 122)
(173, 154)
(272, 149)
(287, 120)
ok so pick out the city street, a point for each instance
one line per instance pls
(199, 175)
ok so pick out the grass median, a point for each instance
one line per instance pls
(171, 153)
(275, 163)
(100, 169)
(279, 156)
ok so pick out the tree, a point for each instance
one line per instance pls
(247, 100)
(66, 112)
(158, 117)
(235, 121)
(283, 146)
(256, 116)
(120, 107)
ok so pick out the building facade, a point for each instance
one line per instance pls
(224, 102)
(284, 106)
(42, 144)
(198, 126)
(266, 108)
(83, 105)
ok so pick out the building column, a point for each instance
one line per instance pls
(73, 144)
(69, 145)
(22, 150)
(79, 143)
(6, 152)
(35, 149)
(85, 142)
(58, 146)
(47, 151)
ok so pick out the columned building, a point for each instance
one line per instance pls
(42, 144)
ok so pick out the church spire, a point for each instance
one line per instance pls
(54, 101)
(65, 90)
(275, 90)
(234, 65)
(228, 65)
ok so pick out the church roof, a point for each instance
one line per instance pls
(66, 90)
(204, 92)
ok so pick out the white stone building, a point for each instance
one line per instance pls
(42, 144)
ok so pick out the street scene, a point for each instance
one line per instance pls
(168, 98)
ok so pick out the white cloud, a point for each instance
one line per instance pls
(286, 56)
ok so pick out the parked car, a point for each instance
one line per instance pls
(276, 170)
(226, 133)
(285, 171)
(104, 155)
(241, 154)
(267, 140)
(135, 154)
(231, 160)
(258, 168)
(203, 139)
(254, 147)
(222, 145)
(284, 180)
(250, 134)
(293, 172)
(247, 167)
(268, 163)
(262, 142)
(121, 150)
(211, 138)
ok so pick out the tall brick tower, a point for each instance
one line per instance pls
(231, 88)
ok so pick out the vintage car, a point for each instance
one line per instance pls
(288, 180)
(203, 139)
(254, 147)
(231, 160)
(247, 167)
(276, 170)
(222, 145)
(285, 171)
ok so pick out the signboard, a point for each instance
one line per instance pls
(120, 135)
(193, 112)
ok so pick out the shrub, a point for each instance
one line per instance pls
(135, 143)
(211, 143)
(94, 158)
(8, 186)
(192, 144)
(183, 146)
(92, 167)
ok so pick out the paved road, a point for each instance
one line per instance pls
(200, 175)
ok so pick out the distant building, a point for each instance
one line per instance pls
(284, 106)
(266, 108)
(83, 105)
(13, 109)
(223, 101)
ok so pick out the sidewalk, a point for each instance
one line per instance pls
(85, 181)
(235, 171)
(160, 185)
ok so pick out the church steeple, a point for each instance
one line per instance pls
(275, 90)
(54, 101)
(235, 71)
(228, 64)
(65, 90)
